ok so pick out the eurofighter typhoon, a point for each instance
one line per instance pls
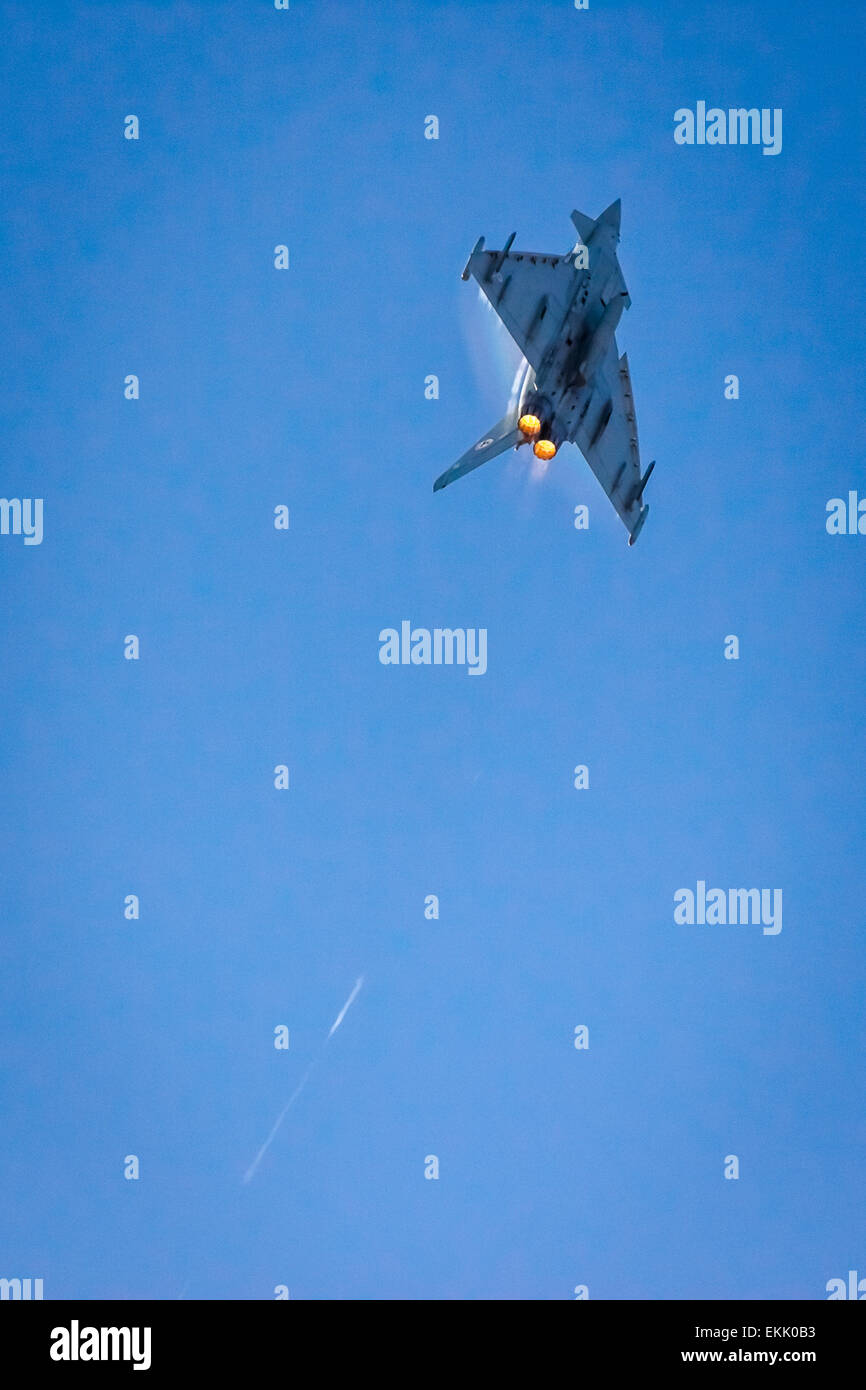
(562, 312)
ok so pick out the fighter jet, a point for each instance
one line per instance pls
(562, 312)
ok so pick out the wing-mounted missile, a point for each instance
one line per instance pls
(636, 492)
(497, 260)
(644, 480)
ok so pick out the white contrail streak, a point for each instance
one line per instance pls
(251, 1171)
(346, 1007)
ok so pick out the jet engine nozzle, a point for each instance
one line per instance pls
(530, 425)
(544, 449)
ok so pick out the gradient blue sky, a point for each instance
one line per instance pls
(258, 647)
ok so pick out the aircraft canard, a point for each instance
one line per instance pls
(562, 312)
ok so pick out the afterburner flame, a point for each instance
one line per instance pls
(544, 449)
(529, 425)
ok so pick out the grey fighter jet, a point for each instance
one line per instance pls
(562, 311)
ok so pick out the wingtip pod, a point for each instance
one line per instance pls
(644, 513)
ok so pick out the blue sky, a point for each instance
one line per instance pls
(260, 907)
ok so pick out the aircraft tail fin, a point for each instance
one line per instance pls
(585, 225)
(612, 215)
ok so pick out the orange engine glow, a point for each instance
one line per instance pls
(544, 449)
(529, 425)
